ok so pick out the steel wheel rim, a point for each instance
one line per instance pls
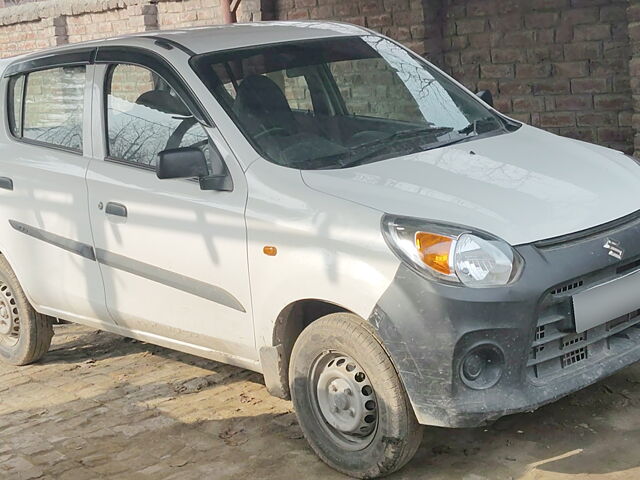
(9, 319)
(344, 401)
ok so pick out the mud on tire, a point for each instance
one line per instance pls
(366, 433)
(25, 335)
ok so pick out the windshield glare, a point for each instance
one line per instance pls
(340, 102)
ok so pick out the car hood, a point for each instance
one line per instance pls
(524, 186)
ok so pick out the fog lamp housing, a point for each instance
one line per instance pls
(482, 366)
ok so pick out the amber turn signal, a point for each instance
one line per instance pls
(269, 250)
(434, 251)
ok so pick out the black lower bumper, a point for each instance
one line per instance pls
(429, 328)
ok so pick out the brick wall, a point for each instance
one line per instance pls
(563, 65)
(633, 18)
(56, 22)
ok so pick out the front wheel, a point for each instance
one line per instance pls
(25, 335)
(349, 400)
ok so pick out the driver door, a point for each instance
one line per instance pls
(172, 256)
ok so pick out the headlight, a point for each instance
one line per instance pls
(452, 254)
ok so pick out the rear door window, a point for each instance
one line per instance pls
(47, 106)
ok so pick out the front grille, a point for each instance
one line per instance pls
(574, 356)
(557, 348)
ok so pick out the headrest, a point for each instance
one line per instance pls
(163, 101)
(258, 94)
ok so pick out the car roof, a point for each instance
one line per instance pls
(199, 40)
(238, 35)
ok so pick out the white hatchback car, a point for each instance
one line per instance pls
(315, 202)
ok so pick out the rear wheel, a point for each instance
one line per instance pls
(25, 335)
(349, 400)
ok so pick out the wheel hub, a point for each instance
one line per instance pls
(346, 399)
(9, 323)
(5, 321)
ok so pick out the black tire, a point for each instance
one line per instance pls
(25, 335)
(396, 435)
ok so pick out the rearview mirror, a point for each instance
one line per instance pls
(486, 97)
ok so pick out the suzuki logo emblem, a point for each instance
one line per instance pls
(614, 249)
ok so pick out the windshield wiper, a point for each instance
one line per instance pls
(404, 134)
(481, 123)
(371, 149)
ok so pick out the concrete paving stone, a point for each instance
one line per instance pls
(49, 458)
(78, 473)
(20, 468)
(135, 422)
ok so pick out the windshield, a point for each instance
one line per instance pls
(341, 102)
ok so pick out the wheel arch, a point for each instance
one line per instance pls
(289, 324)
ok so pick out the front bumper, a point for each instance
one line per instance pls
(427, 328)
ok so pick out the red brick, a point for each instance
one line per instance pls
(475, 55)
(491, 85)
(588, 3)
(590, 119)
(519, 38)
(557, 119)
(539, 70)
(346, 9)
(596, 31)
(529, 103)
(504, 23)
(502, 104)
(521, 117)
(515, 87)
(625, 118)
(496, 71)
(551, 86)
(634, 31)
(589, 85)
(541, 20)
(583, 51)
(571, 69)
(470, 25)
(548, 4)
(298, 15)
(508, 55)
(573, 102)
(612, 101)
(379, 20)
(614, 135)
(613, 13)
(633, 13)
(584, 134)
(481, 8)
(547, 53)
(576, 16)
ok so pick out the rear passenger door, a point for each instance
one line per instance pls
(44, 155)
(173, 256)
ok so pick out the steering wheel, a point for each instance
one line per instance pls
(271, 131)
(200, 144)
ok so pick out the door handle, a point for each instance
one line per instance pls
(6, 183)
(116, 209)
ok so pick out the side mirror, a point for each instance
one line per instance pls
(486, 97)
(186, 162)
(190, 162)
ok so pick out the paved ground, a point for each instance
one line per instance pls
(100, 406)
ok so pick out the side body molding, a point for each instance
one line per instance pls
(144, 270)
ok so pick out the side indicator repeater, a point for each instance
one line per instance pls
(270, 250)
